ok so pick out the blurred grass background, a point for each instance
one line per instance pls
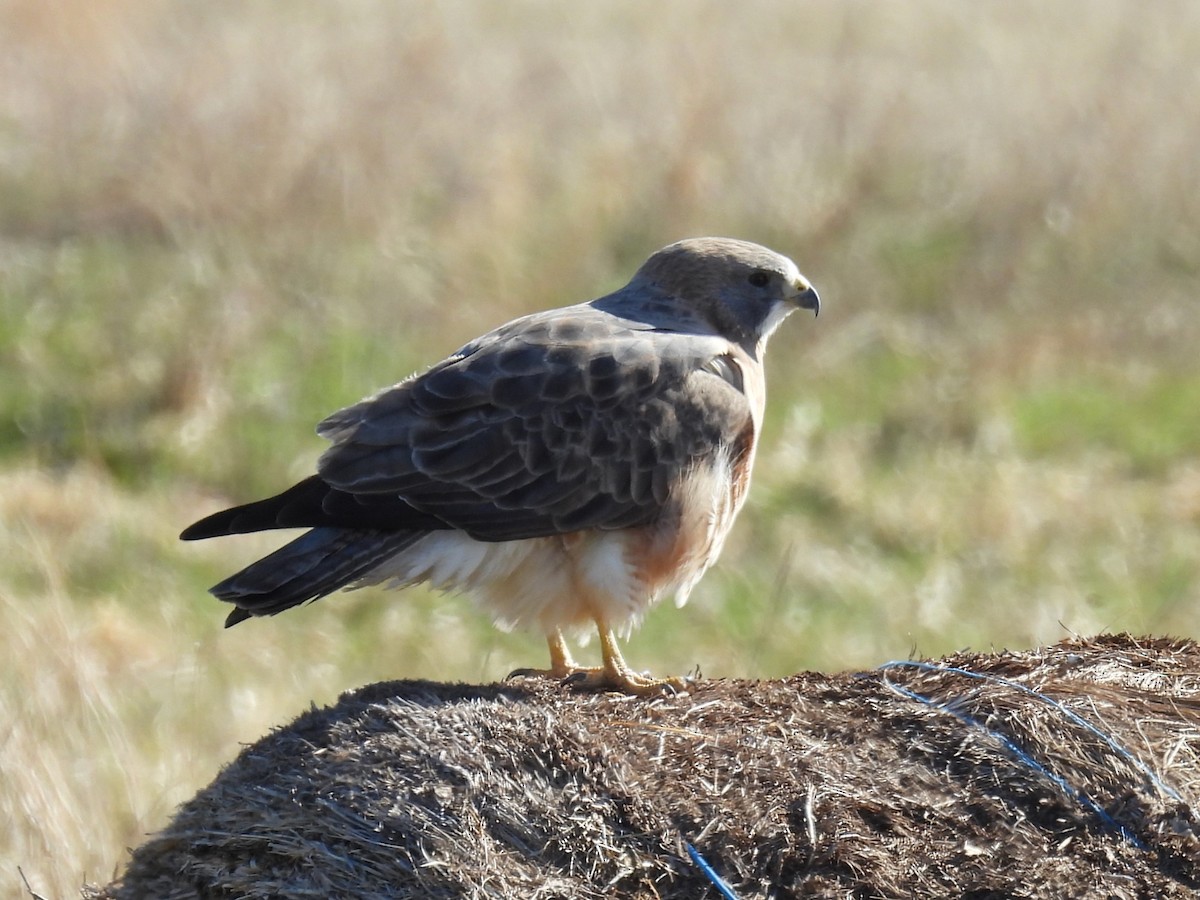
(221, 221)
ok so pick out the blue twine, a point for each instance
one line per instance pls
(1079, 720)
(1018, 752)
(717, 881)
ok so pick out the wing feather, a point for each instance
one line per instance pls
(561, 421)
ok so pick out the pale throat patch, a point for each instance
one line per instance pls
(783, 308)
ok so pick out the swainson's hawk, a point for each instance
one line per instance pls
(572, 466)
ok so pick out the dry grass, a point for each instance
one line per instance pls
(1067, 772)
(218, 224)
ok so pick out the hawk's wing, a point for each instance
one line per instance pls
(564, 420)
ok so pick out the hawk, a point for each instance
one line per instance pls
(570, 467)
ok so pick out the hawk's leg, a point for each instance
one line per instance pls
(615, 674)
(562, 664)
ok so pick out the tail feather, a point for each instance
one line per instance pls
(314, 504)
(298, 506)
(313, 565)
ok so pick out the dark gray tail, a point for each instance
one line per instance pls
(313, 565)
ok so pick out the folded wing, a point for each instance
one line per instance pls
(561, 421)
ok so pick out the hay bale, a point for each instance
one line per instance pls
(1072, 771)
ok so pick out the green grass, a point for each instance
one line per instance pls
(1148, 421)
(207, 244)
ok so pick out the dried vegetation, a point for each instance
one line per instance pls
(1071, 771)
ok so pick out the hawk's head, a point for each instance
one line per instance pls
(742, 289)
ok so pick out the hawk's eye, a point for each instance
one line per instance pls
(759, 278)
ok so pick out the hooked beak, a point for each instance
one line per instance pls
(806, 296)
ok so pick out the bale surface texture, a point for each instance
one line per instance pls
(1072, 771)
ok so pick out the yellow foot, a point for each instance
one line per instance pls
(625, 681)
(561, 664)
(597, 678)
(555, 673)
(614, 675)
